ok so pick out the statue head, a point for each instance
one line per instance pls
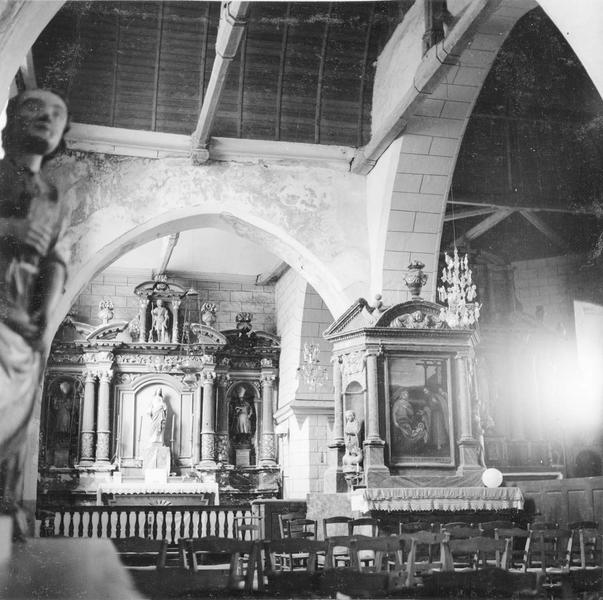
(241, 391)
(350, 415)
(36, 121)
(159, 302)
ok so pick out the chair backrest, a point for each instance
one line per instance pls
(275, 549)
(141, 552)
(481, 549)
(248, 528)
(488, 527)
(363, 525)
(516, 550)
(233, 550)
(283, 521)
(543, 526)
(549, 548)
(338, 526)
(338, 551)
(300, 528)
(585, 547)
(381, 547)
(461, 531)
(424, 546)
(415, 526)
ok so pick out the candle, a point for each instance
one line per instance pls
(173, 424)
(139, 429)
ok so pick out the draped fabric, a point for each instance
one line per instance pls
(437, 498)
(177, 487)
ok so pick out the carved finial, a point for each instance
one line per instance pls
(415, 279)
(105, 310)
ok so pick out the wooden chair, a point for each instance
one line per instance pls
(487, 527)
(363, 525)
(380, 547)
(298, 572)
(335, 526)
(461, 531)
(283, 520)
(232, 551)
(426, 544)
(141, 553)
(484, 551)
(517, 538)
(338, 551)
(585, 544)
(248, 528)
(300, 528)
(415, 526)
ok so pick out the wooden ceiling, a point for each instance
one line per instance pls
(303, 72)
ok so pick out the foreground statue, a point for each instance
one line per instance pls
(32, 272)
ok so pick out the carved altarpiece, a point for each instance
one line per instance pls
(214, 393)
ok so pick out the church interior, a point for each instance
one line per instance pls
(339, 258)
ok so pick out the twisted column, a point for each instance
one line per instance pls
(268, 447)
(208, 418)
(103, 425)
(372, 390)
(175, 322)
(87, 433)
(143, 302)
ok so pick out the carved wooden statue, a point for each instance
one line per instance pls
(33, 268)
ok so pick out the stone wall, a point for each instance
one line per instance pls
(230, 297)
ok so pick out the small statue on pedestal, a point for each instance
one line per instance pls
(160, 322)
(352, 458)
(158, 415)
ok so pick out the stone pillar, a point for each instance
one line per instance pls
(143, 302)
(175, 320)
(374, 464)
(87, 433)
(103, 424)
(222, 436)
(469, 446)
(333, 478)
(338, 402)
(268, 444)
(208, 419)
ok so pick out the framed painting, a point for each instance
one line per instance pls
(420, 422)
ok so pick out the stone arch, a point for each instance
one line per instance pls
(427, 150)
(313, 223)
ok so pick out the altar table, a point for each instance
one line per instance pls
(143, 489)
(436, 499)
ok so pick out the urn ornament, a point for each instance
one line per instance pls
(415, 279)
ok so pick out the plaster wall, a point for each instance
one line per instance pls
(230, 297)
(313, 218)
(290, 293)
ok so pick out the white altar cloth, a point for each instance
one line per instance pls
(171, 487)
(436, 498)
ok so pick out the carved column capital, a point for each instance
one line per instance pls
(267, 380)
(223, 379)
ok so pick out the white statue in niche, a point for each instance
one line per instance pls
(160, 322)
(158, 415)
(243, 412)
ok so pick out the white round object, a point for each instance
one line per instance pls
(492, 478)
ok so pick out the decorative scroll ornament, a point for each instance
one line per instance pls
(105, 310)
(458, 293)
(312, 372)
(208, 313)
(417, 320)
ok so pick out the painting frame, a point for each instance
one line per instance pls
(419, 411)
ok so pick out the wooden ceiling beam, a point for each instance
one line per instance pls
(545, 229)
(466, 214)
(233, 22)
(168, 250)
(495, 205)
(483, 226)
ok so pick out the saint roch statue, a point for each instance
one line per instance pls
(160, 322)
(32, 272)
(158, 415)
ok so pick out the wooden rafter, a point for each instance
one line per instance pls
(281, 74)
(233, 22)
(495, 205)
(544, 228)
(168, 250)
(321, 75)
(367, 44)
(28, 72)
(466, 214)
(483, 226)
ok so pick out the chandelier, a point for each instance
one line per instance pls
(312, 372)
(458, 293)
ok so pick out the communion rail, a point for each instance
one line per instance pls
(154, 522)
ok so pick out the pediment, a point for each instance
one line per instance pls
(357, 316)
(108, 331)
